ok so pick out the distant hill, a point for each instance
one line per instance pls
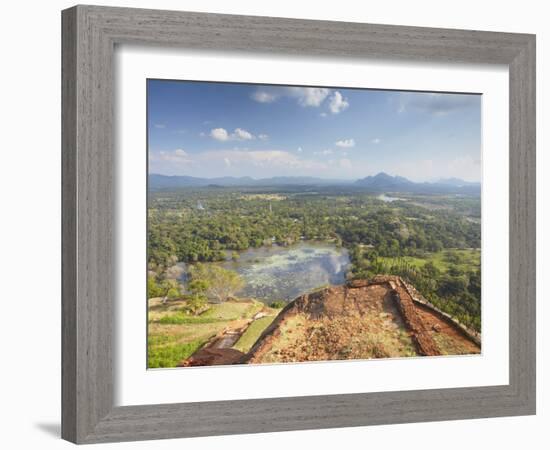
(382, 182)
(157, 181)
(456, 182)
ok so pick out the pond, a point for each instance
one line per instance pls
(283, 273)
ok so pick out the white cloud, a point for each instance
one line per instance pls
(242, 135)
(251, 160)
(376, 141)
(236, 161)
(269, 157)
(338, 103)
(306, 96)
(178, 157)
(328, 163)
(323, 114)
(263, 137)
(435, 103)
(309, 96)
(465, 167)
(345, 143)
(160, 125)
(221, 134)
(264, 96)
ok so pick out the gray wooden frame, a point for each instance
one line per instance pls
(89, 37)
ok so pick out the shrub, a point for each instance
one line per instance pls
(196, 304)
(278, 304)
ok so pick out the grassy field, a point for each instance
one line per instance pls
(174, 335)
(252, 333)
(464, 259)
(233, 310)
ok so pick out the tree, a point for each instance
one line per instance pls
(198, 301)
(451, 286)
(474, 284)
(196, 304)
(169, 289)
(431, 270)
(455, 271)
(152, 287)
(216, 282)
(198, 286)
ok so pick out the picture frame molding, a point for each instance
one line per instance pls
(90, 35)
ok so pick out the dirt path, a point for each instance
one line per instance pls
(208, 356)
(219, 350)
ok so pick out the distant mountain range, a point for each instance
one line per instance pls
(382, 182)
(457, 182)
(157, 181)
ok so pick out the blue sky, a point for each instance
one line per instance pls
(229, 129)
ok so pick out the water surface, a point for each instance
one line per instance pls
(283, 273)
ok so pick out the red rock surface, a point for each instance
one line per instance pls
(213, 357)
(364, 319)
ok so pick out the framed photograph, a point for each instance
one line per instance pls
(277, 224)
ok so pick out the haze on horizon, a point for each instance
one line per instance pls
(208, 130)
